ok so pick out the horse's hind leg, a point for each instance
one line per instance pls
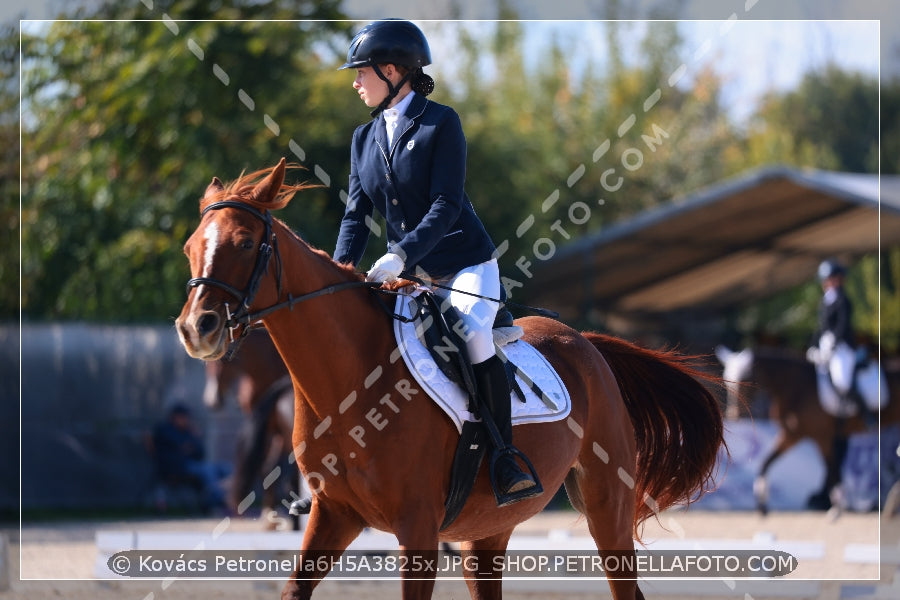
(761, 484)
(482, 562)
(608, 504)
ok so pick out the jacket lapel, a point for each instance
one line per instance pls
(381, 136)
(407, 120)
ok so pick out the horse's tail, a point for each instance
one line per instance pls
(677, 422)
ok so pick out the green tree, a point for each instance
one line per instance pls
(534, 129)
(125, 122)
(830, 121)
(9, 172)
(890, 126)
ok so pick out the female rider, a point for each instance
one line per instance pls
(409, 163)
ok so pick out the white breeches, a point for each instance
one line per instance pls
(477, 314)
(841, 366)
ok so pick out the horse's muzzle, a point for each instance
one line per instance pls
(202, 333)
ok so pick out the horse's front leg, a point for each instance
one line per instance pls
(329, 531)
(418, 538)
(483, 566)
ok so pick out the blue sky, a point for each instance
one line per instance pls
(755, 57)
(751, 57)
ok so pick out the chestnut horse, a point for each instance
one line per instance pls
(263, 390)
(642, 435)
(791, 382)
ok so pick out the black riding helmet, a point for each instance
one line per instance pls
(396, 42)
(830, 268)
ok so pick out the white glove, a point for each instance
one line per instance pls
(827, 343)
(385, 269)
(813, 355)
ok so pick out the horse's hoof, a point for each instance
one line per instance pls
(761, 494)
(819, 501)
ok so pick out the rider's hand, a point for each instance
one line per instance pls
(827, 343)
(813, 355)
(386, 269)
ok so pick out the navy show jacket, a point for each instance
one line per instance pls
(417, 185)
(836, 317)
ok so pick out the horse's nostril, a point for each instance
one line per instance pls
(207, 323)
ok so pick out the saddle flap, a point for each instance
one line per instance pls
(440, 329)
(547, 397)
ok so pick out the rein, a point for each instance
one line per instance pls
(269, 248)
(544, 312)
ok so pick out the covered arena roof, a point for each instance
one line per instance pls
(724, 246)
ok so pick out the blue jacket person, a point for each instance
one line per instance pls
(409, 164)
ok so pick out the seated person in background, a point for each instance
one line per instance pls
(179, 453)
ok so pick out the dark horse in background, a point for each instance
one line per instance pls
(791, 383)
(263, 390)
(643, 432)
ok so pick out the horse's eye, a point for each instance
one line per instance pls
(247, 244)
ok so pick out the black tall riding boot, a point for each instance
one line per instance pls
(493, 387)
(868, 416)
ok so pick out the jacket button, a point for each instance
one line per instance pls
(395, 202)
(403, 225)
(387, 176)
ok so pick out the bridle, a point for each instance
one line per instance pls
(268, 248)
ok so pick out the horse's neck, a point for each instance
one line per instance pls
(330, 340)
(776, 369)
(268, 367)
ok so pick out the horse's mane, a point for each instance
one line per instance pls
(241, 188)
(347, 269)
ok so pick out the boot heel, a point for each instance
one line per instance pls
(521, 490)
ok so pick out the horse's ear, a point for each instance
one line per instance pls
(723, 354)
(267, 189)
(213, 188)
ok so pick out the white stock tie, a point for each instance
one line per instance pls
(390, 122)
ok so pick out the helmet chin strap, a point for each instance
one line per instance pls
(392, 90)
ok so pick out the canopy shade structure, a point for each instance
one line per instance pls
(723, 247)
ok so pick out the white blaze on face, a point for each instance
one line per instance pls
(211, 237)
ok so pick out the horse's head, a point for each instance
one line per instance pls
(234, 260)
(738, 367)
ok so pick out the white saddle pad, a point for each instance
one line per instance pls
(871, 383)
(554, 405)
